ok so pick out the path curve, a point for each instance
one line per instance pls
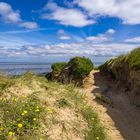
(122, 119)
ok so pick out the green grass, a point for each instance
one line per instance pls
(33, 109)
(132, 60)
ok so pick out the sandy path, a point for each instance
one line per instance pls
(122, 121)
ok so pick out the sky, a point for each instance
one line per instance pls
(40, 30)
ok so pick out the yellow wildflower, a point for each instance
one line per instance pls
(25, 111)
(1, 128)
(37, 107)
(22, 114)
(20, 125)
(37, 110)
(92, 119)
(50, 111)
(34, 119)
(97, 138)
(10, 133)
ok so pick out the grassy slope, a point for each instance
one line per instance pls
(32, 108)
(131, 59)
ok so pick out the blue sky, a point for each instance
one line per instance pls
(43, 29)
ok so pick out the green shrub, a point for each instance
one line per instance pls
(81, 66)
(57, 67)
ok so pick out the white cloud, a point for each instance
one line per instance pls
(63, 35)
(106, 37)
(98, 39)
(110, 31)
(127, 10)
(29, 25)
(67, 16)
(8, 15)
(133, 40)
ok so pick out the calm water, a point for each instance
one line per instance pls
(17, 68)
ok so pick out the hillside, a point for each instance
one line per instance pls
(32, 108)
(125, 70)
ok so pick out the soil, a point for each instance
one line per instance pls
(121, 119)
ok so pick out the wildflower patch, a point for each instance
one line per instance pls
(19, 117)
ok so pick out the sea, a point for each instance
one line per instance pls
(18, 68)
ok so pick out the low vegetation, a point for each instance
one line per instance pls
(32, 108)
(134, 59)
(72, 72)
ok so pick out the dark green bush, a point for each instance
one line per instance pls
(81, 66)
(57, 67)
(73, 71)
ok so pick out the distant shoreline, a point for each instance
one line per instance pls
(18, 68)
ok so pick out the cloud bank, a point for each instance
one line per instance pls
(65, 49)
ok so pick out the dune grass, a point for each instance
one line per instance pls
(32, 108)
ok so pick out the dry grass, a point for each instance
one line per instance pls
(54, 111)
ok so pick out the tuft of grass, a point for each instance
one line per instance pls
(5, 82)
(62, 102)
